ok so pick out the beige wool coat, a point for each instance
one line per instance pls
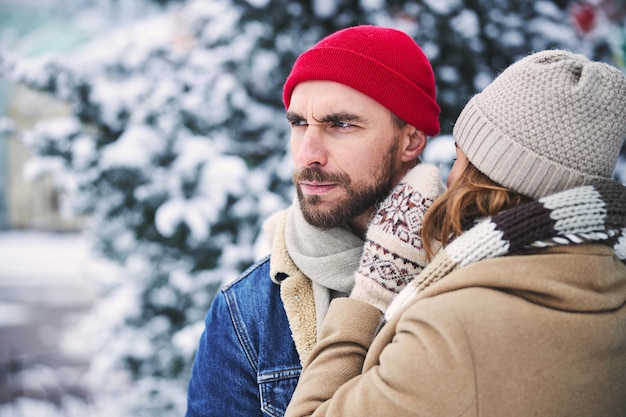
(533, 335)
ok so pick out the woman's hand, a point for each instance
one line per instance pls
(393, 253)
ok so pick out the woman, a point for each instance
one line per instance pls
(523, 312)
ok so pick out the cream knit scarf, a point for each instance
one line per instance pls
(328, 257)
(591, 213)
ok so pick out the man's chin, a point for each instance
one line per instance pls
(327, 213)
(323, 215)
(320, 203)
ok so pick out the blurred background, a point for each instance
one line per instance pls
(143, 143)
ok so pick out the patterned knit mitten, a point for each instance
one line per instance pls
(393, 253)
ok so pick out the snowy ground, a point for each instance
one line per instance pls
(47, 281)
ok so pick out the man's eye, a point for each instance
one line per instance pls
(296, 123)
(343, 125)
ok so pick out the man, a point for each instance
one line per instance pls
(361, 104)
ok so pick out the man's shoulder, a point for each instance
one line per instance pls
(254, 297)
(255, 279)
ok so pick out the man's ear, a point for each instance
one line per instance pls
(413, 142)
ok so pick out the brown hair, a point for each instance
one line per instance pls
(471, 196)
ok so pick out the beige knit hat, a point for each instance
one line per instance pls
(551, 121)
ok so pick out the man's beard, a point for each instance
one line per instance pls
(359, 199)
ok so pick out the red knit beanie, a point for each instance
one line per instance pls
(382, 63)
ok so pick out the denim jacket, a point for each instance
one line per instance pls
(248, 334)
(258, 332)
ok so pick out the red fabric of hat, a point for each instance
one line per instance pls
(382, 63)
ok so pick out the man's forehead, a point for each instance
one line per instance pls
(325, 98)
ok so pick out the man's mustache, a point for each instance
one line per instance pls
(317, 175)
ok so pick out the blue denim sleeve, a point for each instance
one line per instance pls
(247, 363)
(223, 380)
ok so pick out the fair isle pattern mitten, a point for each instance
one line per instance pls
(393, 252)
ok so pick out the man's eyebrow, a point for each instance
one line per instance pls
(293, 116)
(330, 118)
(341, 117)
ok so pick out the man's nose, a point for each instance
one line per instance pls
(312, 150)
